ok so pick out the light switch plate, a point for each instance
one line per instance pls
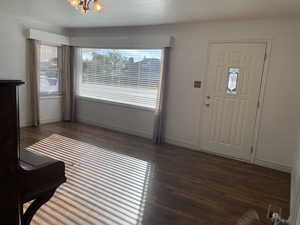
(197, 84)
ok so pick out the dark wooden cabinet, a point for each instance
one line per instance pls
(25, 175)
(9, 152)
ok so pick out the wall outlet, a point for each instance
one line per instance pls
(273, 209)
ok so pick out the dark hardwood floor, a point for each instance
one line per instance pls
(185, 187)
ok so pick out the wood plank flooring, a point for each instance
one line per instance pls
(185, 187)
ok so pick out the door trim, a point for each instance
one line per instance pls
(257, 127)
(295, 208)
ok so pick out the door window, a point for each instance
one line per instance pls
(233, 75)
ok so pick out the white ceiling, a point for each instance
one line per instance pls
(146, 12)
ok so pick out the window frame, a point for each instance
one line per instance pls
(112, 102)
(58, 93)
(118, 104)
(233, 92)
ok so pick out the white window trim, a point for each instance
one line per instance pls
(103, 101)
(130, 106)
(123, 42)
(48, 37)
(51, 97)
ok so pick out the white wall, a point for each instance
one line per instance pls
(116, 116)
(13, 56)
(51, 109)
(277, 134)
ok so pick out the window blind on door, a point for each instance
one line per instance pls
(129, 76)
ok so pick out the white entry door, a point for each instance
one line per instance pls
(231, 100)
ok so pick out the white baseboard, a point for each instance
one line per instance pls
(273, 165)
(169, 140)
(116, 128)
(267, 164)
(194, 147)
(50, 120)
(25, 124)
(45, 121)
(181, 143)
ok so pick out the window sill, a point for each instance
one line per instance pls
(88, 99)
(45, 97)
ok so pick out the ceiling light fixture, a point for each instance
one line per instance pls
(86, 5)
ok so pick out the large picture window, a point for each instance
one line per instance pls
(50, 81)
(129, 76)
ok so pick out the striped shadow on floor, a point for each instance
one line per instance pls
(102, 187)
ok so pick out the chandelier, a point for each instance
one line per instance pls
(86, 5)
